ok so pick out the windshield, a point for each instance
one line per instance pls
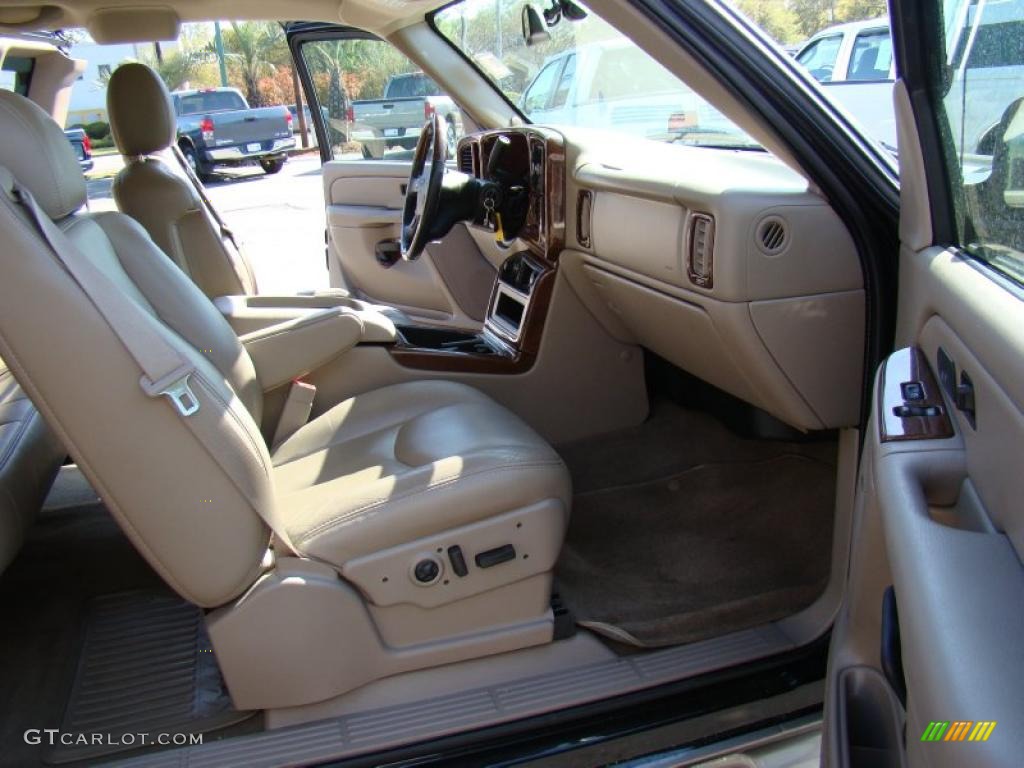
(585, 73)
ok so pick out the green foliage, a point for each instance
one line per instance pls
(180, 68)
(775, 17)
(812, 16)
(254, 50)
(96, 131)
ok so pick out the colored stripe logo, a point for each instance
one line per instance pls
(958, 730)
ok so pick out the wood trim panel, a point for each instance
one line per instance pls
(544, 229)
(465, 362)
(903, 367)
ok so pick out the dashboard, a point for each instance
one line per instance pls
(726, 263)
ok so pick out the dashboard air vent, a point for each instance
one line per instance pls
(466, 158)
(584, 214)
(700, 259)
(772, 236)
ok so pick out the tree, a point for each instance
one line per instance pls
(813, 15)
(180, 68)
(254, 49)
(773, 16)
(859, 10)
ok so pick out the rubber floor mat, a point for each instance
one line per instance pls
(146, 667)
(700, 553)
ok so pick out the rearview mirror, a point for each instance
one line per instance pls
(534, 29)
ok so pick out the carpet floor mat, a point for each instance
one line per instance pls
(146, 667)
(710, 549)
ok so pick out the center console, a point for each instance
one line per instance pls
(510, 337)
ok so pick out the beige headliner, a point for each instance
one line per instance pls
(370, 14)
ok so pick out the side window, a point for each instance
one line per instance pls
(872, 56)
(539, 92)
(374, 101)
(820, 57)
(16, 74)
(565, 82)
(983, 102)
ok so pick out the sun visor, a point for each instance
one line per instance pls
(133, 25)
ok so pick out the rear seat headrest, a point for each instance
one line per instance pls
(36, 151)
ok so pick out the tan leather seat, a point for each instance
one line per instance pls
(368, 491)
(153, 189)
(30, 456)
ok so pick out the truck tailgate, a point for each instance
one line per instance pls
(251, 125)
(389, 116)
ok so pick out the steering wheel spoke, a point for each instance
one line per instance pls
(424, 188)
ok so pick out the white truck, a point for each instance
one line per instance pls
(613, 84)
(394, 121)
(854, 64)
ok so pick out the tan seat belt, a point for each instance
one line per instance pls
(225, 231)
(296, 411)
(165, 371)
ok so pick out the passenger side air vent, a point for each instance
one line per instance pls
(584, 213)
(700, 258)
(772, 236)
(466, 158)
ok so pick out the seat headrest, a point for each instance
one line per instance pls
(140, 111)
(36, 151)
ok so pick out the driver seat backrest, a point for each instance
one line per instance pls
(198, 527)
(155, 190)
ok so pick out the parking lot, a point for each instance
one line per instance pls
(278, 219)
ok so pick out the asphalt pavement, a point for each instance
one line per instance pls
(278, 219)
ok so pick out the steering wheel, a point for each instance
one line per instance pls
(424, 191)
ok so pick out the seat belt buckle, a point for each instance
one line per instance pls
(174, 386)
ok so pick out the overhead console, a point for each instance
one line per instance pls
(729, 266)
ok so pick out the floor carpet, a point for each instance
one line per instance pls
(682, 531)
(73, 556)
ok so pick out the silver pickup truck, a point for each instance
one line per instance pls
(395, 120)
(217, 127)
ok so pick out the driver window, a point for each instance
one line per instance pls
(820, 57)
(374, 100)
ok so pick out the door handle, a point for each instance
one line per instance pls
(960, 392)
(964, 398)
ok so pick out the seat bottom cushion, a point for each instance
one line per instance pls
(407, 461)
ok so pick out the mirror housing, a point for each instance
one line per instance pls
(534, 29)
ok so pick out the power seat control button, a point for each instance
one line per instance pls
(496, 556)
(426, 571)
(458, 561)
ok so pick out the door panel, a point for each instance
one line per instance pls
(940, 517)
(450, 283)
(349, 77)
